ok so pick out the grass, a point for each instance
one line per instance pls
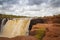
(40, 33)
(11, 16)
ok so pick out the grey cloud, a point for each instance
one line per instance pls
(6, 4)
(33, 2)
(55, 3)
(1, 2)
(37, 2)
(41, 7)
(9, 1)
(52, 3)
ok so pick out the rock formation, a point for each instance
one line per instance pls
(19, 38)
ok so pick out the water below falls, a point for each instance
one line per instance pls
(16, 27)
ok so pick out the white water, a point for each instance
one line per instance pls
(2, 22)
(16, 27)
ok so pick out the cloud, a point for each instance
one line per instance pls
(55, 3)
(30, 7)
(35, 2)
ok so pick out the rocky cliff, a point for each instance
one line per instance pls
(51, 24)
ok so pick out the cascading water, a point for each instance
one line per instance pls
(16, 27)
(2, 23)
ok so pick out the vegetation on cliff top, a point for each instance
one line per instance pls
(14, 16)
(11, 16)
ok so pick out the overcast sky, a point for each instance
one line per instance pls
(30, 7)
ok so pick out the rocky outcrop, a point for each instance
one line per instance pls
(19, 38)
(52, 31)
(24, 38)
(4, 38)
(45, 20)
(35, 21)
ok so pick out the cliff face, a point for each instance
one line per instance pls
(52, 19)
(51, 26)
(52, 31)
(45, 20)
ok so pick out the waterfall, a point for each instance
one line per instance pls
(16, 27)
(2, 23)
